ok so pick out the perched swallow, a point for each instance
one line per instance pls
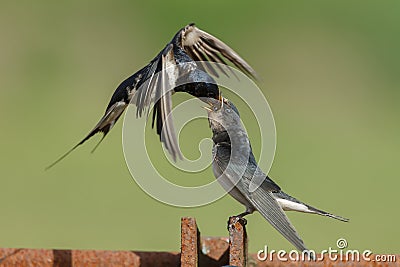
(177, 62)
(233, 156)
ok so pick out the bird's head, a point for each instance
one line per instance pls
(222, 115)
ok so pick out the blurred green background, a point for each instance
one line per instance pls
(330, 71)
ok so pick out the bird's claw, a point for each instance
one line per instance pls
(234, 219)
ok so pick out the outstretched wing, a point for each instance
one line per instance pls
(202, 46)
(103, 126)
(118, 103)
(163, 87)
(146, 86)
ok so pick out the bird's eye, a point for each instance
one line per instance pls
(215, 108)
(228, 110)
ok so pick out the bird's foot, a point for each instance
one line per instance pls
(234, 219)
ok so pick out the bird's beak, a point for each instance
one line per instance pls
(220, 98)
(207, 108)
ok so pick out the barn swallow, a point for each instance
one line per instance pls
(189, 46)
(233, 156)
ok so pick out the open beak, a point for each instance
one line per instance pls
(209, 105)
(220, 98)
(207, 108)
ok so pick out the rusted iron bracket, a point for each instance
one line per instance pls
(67, 258)
(189, 242)
(195, 251)
(232, 251)
(237, 242)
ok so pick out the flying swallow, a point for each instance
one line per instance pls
(177, 61)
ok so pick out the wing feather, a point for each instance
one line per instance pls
(262, 198)
(168, 82)
(214, 57)
(204, 61)
(193, 38)
(146, 87)
(269, 208)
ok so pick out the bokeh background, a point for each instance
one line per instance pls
(329, 69)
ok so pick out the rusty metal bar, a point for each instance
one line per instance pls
(210, 252)
(237, 242)
(61, 258)
(77, 258)
(196, 251)
(189, 242)
(216, 248)
(214, 252)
